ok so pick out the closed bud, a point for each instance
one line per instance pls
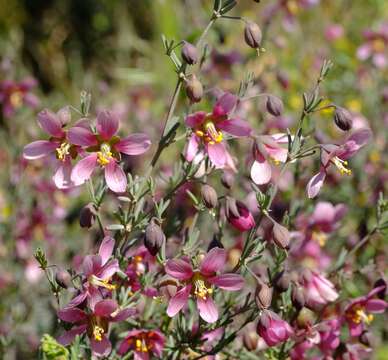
(263, 296)
(297, 297)
(282, 281)
(194, 89)
(227, 179)
(189, 53)
(250, 340)
(281, 236)
(153, 238)
(382, 284)
(274, 105)
(87, 216)
(343, 119)
(252, 35)
(63, 278)
(216, 242)
(209, 196)
(231, 207)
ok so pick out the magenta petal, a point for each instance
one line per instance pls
(315, 184)
(179, 269)
(109, 269)
(77, 300)
(72, 315)
(376, 306)
(134, 144)
(115, 177)
(106, 249)
(356, 329)
(192, 147)
(138, 355)
(214, 261)
(39, 149)
(105, 307)
(217, 154)
(261, 172)
(231, 282)
(83, 170)
(360, 136)
(123, 314)
(62, 175)
(207, 309)
(178, 301)
(82, 136)
(196, 119)
(124, 347)
(225, 104)
(101, 348)
(67, 338)
(235, 127)
(50, 123)
(107, 124)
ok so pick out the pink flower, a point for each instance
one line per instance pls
(105, 150)
(199, 283)
(208, 130)
(273, 329)
(143, 343)
(15, 94)
(329, 331)
(94, 324)
(268, 149)
(317, 289)
(337, 155)
(57, 145)
(243, 219)
(359, 311)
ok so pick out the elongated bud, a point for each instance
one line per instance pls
(189, 53)
(231, 207)
(209, 196)
(194, 89)
(250, 340)
(63, 278)
(252, 35)
(281, 236)
(263, 296)
(274, 105)
(297, 297)
(87, 216)
(227, 179)
(343, 119)
(282, 281)
(153, 238)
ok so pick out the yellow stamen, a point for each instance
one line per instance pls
(358, 315)
(201, 290)
(62, 151)
(141, 345)
(16, 99)
(292, 7)
(199, 133)
(213, 134)
(104, 155)
(320, 237)
(341, 166)
(97, 332)
(96, 281)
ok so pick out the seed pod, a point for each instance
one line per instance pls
(297, 297)
(282, 281)
(63, 278)
(194, 89)
(87, 216)
(281, 236)
(343, 118)
(227, 179)
(189, 53)
(263, 296)
(209, 196)
(153, 238)
(250, 340)
(274, 105)
(252, 35)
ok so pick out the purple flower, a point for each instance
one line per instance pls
(199, 283)
(273, 329)
(208, 130)
(105, 150)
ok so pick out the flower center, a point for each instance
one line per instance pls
(62, 151)
(96, 281)
(141, 345)
(104, 155)
(97, 332)
(209, 133)
(358, 315)
(292, 7)
(201, 288)
(320, 237)
(378, 45)
(16, 98)
(341, 166)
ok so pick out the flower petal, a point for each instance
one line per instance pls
(179, 269)
(39, 149)
(315, 184)
(192, 147)
(107, 124)
(207, 309)
(214, 261)
(83, 170)
(62, 175)
(115, 177)
(106, 249)
(178, 301)
(231, 282)
(236, 127)
(50, 123)
(196, 119)
(134, 144)
(376, 306)
(68, 337)
(261, 172)
(102, 347)
(217, 154)
(105, 307)
(225, 104)
(82, 136)
(72, 315)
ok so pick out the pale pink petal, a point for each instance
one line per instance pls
(179, 269)
(192, 147)
(107, 124)
(106, 249)
(123, 314)
(62, 175)
(115, 177)
(217, 154)
(207, 309)
(134, 144)
(39, 149)
(214, 261)
(225, 104)
(364, 51)
(105, 307)
(50, 123)
(231, 282)
(178, 301)
(315, 184)
(236, 127)
(138, 355)
(83, 170)
(196, 119)
(82, 136)
(261, 172)
(379, 60)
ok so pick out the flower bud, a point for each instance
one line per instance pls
(87, 216)
(297, 297)
(189, 53)
(63, 278)
(194, 89)
(250, 340)
(153, 238)
(281, 236)
(343, 119)
(274, 105)
(263, 296)
(216, 242)
(239, 215)
(252, 35)
(383, 284)
(209, 196)
(282, 281)
(227, 179)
